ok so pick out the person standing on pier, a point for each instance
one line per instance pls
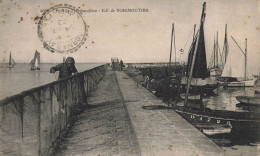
(65, 69)
(121, 65)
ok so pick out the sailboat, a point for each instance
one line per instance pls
(234, 72)
(197, 78)
(35, 62)
(214, 65)
(11, 61)
(196, 112)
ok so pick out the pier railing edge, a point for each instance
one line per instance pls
(34, 119)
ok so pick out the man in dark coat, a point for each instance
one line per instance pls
(66, 69)
(121, 65)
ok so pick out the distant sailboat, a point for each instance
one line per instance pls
(214, 65)
(11, 61)
(234, 72)
(35, 62)
(198, 79)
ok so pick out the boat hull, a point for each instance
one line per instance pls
(247, 83)
(200, 86)
(249, 100)
(236, 120)
(227, 79)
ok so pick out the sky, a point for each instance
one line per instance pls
(137, 36)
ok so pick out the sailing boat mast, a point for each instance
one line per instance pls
(216, 55)
(195, 52)
(10, 59)
(172, 37)
(214, 52)
(245, 54)
(170, 61)
(245, 57)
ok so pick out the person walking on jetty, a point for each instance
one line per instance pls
(65, 69)
(121, 65)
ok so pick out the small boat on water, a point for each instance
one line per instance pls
(11, 61)
(197, 73)
(35, 62)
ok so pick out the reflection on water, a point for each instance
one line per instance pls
(225, 98)
(246, 142)
(21, 78)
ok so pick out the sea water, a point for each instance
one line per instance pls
(21, 78)
(242, 143)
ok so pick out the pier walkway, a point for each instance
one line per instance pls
(115, 123)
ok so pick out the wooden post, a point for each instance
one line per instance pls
(174, 45)
(245, 57)
(217, 50)
(171, 46)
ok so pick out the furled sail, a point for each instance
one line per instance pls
(225, 48)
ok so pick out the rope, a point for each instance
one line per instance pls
(187, 40)
(185, 44)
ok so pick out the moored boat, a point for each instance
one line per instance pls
(234, 73)
(253, 100)
(196, 111)
(197, 74)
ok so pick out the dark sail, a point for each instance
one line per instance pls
(225, 48)
(35, 65)
(200, 64)
(191, 53)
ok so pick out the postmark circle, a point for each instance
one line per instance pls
(62, 29)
